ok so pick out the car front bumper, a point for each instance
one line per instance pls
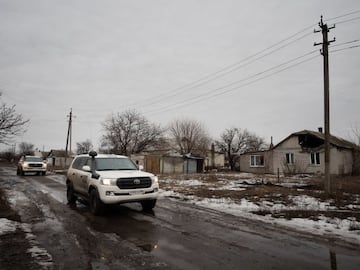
(114, 195)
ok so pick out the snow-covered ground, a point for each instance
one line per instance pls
(347, 229)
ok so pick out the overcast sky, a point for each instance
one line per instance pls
(247, 64)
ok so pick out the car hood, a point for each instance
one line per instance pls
(123, 174)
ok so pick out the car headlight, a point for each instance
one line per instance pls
(154, 179)
(107, 181)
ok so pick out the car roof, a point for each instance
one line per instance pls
(27, 156)
(103, 156)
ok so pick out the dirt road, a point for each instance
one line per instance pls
(176, 235)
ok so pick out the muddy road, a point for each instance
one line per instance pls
(176, 235)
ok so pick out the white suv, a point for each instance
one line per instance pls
(31, 164)
(109, 179)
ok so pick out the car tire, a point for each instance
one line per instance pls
(43, 173)
(17, 171)
(22, 172)
(95, 204)
(70, 194)
(148, 204)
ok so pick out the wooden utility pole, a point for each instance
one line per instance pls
(325, 52)
(69, 133)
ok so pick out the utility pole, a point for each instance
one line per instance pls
(69, 133)
(325, 53)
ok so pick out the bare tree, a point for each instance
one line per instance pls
(189, 136)
(355, 135)
(8, 155)
(26, 148)
(355, 138)
(84, 147)
(235, 141)
(256, 143)
(11, 123)
(130, 132)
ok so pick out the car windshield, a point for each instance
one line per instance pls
(110, 164)
(34, 159)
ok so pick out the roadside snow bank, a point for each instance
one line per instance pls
(346, 229)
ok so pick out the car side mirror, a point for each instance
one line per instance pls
(86, 168)
(141, 167)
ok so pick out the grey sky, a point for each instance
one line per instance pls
(103, 57)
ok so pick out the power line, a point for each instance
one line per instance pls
(224, 74)
(211, 93)
(201, 98)
(231, 68)
(344, 43)
(166, 108)
(344, 15)
(236, 88)
(228, 69)
(349, 20)
(344, 49)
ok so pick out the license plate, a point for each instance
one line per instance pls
(136, 192)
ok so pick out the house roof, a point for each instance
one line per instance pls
(335, 141)
(254, 152)
(57, 153)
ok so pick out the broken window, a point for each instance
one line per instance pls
(310, 141)
(257, 161)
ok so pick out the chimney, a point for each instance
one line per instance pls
(320, 129)
(271, 144)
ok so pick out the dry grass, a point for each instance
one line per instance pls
(346, 191)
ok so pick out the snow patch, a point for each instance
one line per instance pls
(7, 226)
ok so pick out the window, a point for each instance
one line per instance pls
(108, 164)
(33, 159)
(79, 162)
(257, 161)
(315, 158)
(290, 158)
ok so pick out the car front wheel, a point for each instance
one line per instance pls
(148, 204)
(70, 194)
(96, 205)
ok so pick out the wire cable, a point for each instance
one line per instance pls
(201, 98)
(349, 20)
(233, 83)
(226, 70)
(347, 48)
(231, 68)
(344, 15)
(238, 87)
(171, 95)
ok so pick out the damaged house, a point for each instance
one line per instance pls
(303, 152)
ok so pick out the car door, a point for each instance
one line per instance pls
(76, 172)
(84, 176)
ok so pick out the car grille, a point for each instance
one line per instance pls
(134, 182)
(35, 165)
